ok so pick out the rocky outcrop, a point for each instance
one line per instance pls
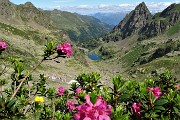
(152, 29)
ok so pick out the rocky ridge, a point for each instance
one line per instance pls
(143, 24)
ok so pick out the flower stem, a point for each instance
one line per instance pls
(15, 92)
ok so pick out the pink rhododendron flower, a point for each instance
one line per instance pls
(99, 111)
(61, 91)
(156, 92)
(65, 48)
(136, 108)
(70, 105)
(78, 90)
(2, 46)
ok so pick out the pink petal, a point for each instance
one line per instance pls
(87, 118)
(150, 89)
(76, 116)
(98, 101)
(104, 117)
(88, 101)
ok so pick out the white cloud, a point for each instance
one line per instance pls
(105, 8)
(84, 7)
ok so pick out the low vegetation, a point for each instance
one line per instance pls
(25, 98)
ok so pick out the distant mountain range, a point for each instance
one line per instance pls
(110, 18)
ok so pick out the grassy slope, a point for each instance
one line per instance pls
(174, 29)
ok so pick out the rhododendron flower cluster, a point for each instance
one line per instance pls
(65, 48)
(99, 111)
(70, 105)
(156, 92)
(136, 108)
(2, 46)
(61, 91)
(78, 90)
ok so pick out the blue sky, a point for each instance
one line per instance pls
(93, 6)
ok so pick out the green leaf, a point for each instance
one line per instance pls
(159, 108)
(1, 109)
(161, 102)
(154, 115)
(11, 102)
(93, 97)
(13, 108)
(1, 100)
(157, 111)
(176, 110)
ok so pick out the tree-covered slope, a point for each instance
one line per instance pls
(79, 27)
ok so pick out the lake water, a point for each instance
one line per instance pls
(94, 56)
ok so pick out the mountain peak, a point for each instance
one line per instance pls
(29, 4)
(142, 7)
(143, 4)
(132, 22)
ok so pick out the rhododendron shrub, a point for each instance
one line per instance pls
(26, 98)
(62, 50)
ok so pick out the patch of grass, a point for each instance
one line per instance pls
(133, 56)
(36, 37)
(169, 63)
(172, 64)
(28, 34)
(14, 30)
(174, 29)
